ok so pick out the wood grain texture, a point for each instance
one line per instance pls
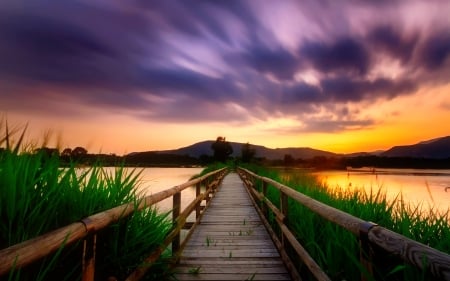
(231, 243)
(422, 256)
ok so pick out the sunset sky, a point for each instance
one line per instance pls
(119, 76)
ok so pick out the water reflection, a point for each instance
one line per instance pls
(153, 180)
(425, 187)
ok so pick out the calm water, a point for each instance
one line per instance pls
(154, 180)
(425, 187)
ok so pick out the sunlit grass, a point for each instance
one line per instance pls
(336, 249)
(38, 196)
(211, 167)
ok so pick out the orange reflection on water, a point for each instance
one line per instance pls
(417, 187)
(153, 180)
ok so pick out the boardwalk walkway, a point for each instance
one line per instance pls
(231, 242)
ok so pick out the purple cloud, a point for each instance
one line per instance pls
(153, 58)
(436, 51)
(344, 55)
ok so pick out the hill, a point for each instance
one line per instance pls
(436, 148)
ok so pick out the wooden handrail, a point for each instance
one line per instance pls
(24, 253)
(413, 252)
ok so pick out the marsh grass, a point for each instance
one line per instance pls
(212, 167)
(38, 196)
(337, 250)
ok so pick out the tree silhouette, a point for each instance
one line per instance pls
(288, 160)
(222, 149)
(247, 153)
(79, 151)
(67, 152)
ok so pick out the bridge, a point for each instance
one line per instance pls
(231, 242)
(231, 237)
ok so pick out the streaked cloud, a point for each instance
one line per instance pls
(216, 61)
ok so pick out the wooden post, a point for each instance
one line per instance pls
(175, 214)
(284, 211)
(264, 205)
(365, 251)
(197, 194)
(208, 190)
(88, 261)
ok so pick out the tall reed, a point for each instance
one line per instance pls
(37, 196)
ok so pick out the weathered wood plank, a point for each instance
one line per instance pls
(223, 269)
(237, 262)
(233, 276)
(231, 242)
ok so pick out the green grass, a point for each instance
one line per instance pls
(209, 241)
(37, 196)
(212, 167)
(335, 249)
(194, 270)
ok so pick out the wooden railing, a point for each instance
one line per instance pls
(27, 252)
(369, 234)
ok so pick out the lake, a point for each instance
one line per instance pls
(425, 187)
(153, 180)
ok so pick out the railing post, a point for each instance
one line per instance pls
(175, 214)
(215, 183)
(88, 262)
(264, 205)
(197, 194)
(89, 245)
(365, 251)
(208, 192)
(284, 211)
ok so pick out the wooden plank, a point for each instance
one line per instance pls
(231, 277)
(232, 262)
(224, 269)
(231, 242)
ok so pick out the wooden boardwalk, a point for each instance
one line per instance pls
(231, 242)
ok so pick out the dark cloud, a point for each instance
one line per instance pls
(436, 51)
(279, 63)
(56, 46)
(345, 54)
(52, 51)
(347, 89)
(323, 125)
(182, 82)
(198, 18)
(302, 93)
(335, 126)
(388, 39)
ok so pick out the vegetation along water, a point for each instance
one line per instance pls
(37, 196)
(335, 249)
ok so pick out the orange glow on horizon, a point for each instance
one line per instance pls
(402, 121)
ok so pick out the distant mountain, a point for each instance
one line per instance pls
(362, 154)
(436, 148)
(204, 148)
